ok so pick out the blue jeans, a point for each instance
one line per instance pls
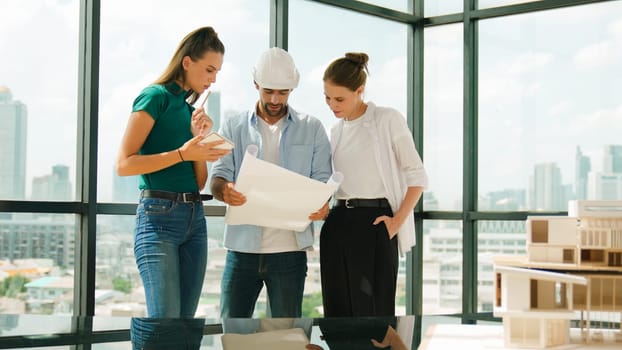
(166, 333)
(245, 274)
(170, 246)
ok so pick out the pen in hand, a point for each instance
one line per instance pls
(206, 97)
(203, 128)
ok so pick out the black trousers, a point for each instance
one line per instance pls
(358, 263)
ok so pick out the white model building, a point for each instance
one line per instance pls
(573, 265)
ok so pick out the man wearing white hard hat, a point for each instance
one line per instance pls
(296, 141)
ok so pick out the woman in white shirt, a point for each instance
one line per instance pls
(372, 218)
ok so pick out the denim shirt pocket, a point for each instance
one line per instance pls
(298, 158)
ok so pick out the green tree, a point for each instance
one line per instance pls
(13, 285)
(122, 284)
(310, 303)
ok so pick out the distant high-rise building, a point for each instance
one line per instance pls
(612, 160)
(546, 191)
(40, 237)
(13, 124)
(430, 202)
(509, 199)
(605, 186)
(583, 166)
(53, 187)
(124, 188)
(213, 109)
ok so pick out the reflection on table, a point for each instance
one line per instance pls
(328, 333)
(108, 333)
(164, 334)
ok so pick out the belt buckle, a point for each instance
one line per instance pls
(186, 197)
(348, 204)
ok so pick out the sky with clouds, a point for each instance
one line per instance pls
(548, 80)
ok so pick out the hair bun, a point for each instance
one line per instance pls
(359, 58)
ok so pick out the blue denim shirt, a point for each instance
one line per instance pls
(304, 149)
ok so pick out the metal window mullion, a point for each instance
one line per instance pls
(469, 200)
(529, 7)
(279, 15)
(414, 105)
(86, 174)
(375, 10)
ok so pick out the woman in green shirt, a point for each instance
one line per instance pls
(162, 145)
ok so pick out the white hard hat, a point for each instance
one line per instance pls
(275, 69)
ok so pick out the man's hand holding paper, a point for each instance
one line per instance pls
(277, 197)
(231, 196)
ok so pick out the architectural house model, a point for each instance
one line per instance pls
(573, 266)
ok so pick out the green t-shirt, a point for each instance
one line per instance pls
(167, 105)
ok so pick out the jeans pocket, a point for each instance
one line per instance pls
(156, 206)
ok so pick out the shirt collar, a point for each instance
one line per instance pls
(175, 89)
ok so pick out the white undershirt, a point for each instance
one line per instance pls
(274, 240)
(354, 158)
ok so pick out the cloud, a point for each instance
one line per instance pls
(615, 28)
(601, 124)
(506, 84)
(528, 62)
(604, 53)
(315, 75)
(560, 108)
(387, 86)
(236, 84)
(597, 55)
(593, 130)
(169, 17)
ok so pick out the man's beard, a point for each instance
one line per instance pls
(272, 113)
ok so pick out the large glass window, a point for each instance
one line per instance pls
(437, 8)
(384, 42)
(442, 120)
(482, 4)
(119, 289)
(136, 46)
(38, 99)
(37, 254)
(442, 267)
(549, 111)
(400, 5)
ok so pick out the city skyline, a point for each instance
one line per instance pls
(546, 190)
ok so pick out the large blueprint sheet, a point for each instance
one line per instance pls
(277, 197)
